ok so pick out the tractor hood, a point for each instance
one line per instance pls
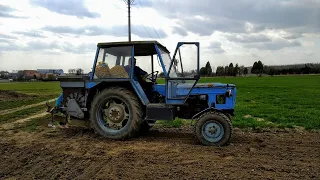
(210, 85)
(206, 85)
(161, 88)
(202, 85)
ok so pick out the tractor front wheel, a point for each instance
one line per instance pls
(116, 113)
(213, 129)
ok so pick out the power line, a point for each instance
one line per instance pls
(145, 27)
(146, 30)
(139, 2)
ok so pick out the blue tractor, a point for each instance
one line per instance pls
(119, 103)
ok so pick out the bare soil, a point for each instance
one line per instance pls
(7, 95)
(165, 153)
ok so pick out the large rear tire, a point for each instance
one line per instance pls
(117, 107)
(213, 129)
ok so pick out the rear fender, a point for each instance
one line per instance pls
(105, 84)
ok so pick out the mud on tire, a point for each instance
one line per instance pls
(213, 129)
(132, 105)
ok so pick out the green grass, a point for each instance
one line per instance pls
(34, 125)
(279, 101)
(21, 114)
(33, 87)
(43, 90)
(18, 103)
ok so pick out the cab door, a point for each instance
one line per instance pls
(183, 72)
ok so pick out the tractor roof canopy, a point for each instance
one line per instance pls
(141, 48)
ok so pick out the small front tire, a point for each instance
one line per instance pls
(213, 129)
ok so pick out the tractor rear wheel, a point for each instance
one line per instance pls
(116, 113)
(213, 129)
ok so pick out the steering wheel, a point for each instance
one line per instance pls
(149, 77)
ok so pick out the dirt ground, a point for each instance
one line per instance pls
(12, 95)
(173, 153)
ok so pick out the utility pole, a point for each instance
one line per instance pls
(129, 3)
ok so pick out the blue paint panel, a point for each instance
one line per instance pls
(160, 88)
(91, 84)
(144, 99)
(94, 64)
(161, 61)
(132, 63)
(217, 89)
(59, 100)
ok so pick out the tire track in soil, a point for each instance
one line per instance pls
(10, 125)
(8, 111)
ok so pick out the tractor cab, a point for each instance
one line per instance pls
(117, 62)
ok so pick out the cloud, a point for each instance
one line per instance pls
(86, 30)
(276, 44)
(272, 14)
(215, 47)
(5, 36)
(146, 32)
(70, 7)
(118, 31)
(4, 41)
(62, 46)
(33, 34)
(207, 26)
(179, 30)
(248, 38)
(291, 35)
(48, 47)
(5, 12)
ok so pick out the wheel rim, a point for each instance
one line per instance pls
(212, 131)
(113, 114)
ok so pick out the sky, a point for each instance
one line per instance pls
(63, 34)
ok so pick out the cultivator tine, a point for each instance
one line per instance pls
(50, 110)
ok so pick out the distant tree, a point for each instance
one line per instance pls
(254, 68)
(230, 69)
(50, 77)
(306, 69)
(79, 71)
(208, 69)
(20, 75)
(203, 71)
(220, 71)
(272, 71)
(241, 70)
(235, 70)
(245, 71)
(259, 67)
(72, 71)
(226, 70)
